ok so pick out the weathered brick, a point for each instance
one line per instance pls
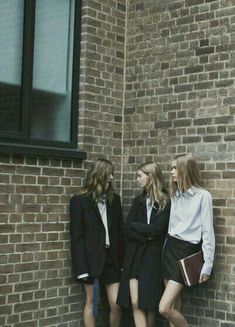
(183, 88)
(178, 97)
(193, 69)
(204, 51)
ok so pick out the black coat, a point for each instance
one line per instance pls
(144, 243)
(88, 235)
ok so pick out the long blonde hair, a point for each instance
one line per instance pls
(155, 188)
(96, 180)
(187, 173)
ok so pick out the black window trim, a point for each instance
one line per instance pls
(20, 142)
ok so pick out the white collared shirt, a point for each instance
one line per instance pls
(191, 219)
(103, 213)
(149, 206)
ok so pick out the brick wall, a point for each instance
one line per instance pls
(180, 97)
(36, 287)
(101, 80)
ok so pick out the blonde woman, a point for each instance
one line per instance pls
(96, 243)
(190, 229)
(141, 283)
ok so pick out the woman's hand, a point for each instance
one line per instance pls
(203, 278)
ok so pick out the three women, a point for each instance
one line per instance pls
(190, 228)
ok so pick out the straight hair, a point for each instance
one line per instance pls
(187, 173)
(156, 188)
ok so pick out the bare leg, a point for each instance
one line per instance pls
(139, 315)
(167, 304)
(89, 319)
(177, 305)
(151, 318)
(115, 311)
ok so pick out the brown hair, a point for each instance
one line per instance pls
(187, 173)
(155, 188)
(96, 180)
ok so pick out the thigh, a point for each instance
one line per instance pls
(171, 293)
(112, 291)
(134, 290)
(109, 275)
(177, 304)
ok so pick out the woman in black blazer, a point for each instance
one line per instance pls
(146, 228)
(96, 242)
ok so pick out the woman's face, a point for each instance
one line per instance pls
(109, 180)
(173, 171)
(142, 178)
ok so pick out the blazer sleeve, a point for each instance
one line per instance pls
(156, 229)
(130, 233)
(79, 261)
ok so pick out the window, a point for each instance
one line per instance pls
(39, 70)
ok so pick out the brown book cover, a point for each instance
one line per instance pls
(191, 267)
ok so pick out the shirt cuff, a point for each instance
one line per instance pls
(206, 270)
(82, 276)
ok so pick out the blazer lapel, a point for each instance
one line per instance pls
(95, 207)
(155, 212)
(143, 208)
(109, 214)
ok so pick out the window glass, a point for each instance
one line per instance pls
(52, 70)
(11, 43)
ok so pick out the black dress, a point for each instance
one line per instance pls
(143, 254)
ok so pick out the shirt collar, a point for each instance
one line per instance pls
(102, 199)
(191, 191)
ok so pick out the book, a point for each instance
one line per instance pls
(191, 267)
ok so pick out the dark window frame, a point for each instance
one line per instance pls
(21, 142)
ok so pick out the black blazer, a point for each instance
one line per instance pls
(88, 235)
(144, 244)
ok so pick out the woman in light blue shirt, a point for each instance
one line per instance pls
(190, 229)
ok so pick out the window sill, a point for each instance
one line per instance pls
(42, 151)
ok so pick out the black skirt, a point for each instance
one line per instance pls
(174, 250)
(109, 274)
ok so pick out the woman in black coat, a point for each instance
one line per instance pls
(146, 228)
(96, 242)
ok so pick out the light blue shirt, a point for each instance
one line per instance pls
(191, 219)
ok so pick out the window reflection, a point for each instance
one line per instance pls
(11, 40)
(52, 72)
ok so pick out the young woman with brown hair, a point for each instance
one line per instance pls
(190, 229)
(96, 242)
(141, 283)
